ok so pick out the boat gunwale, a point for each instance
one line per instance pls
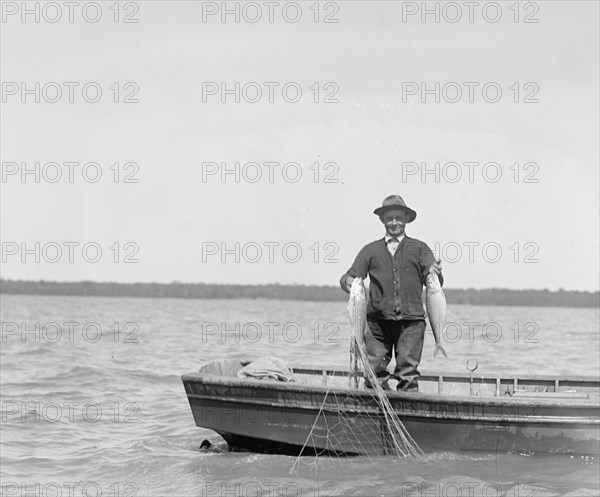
(476, 376)
(258, 384)
(317, 370)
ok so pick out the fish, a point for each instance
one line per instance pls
(402, 444)
(357, 311)
(435, 302)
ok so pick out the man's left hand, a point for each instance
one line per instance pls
(437, 267)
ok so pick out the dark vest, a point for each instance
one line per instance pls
(396, 282)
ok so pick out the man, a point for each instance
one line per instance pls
(397, 266)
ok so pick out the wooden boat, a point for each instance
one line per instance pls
(524, 414)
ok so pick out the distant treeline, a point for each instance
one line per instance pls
(470, 296)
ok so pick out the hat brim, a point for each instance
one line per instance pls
(411, 214)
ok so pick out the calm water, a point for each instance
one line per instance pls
(93, 404)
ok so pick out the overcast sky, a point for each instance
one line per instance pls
(370, 134)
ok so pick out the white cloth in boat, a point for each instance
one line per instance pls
(268, 368)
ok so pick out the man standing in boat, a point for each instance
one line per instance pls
(397, 266)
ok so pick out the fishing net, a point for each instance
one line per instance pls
(352, 419)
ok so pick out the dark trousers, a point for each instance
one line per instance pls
(404, 339)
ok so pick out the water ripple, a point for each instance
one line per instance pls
(112, 411)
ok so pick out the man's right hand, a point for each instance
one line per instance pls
(437, 267)
(349, 281)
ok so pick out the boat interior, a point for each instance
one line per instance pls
(470, 384)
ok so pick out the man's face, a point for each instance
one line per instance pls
(394, 221)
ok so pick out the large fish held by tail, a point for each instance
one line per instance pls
(402, 443)
(357, 311)
(435, 302)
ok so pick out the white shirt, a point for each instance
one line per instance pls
(392, 246)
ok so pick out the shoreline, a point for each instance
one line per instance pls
(207, 291)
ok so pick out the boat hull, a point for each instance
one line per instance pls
(291, 418)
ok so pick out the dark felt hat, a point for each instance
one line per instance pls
(396, 202)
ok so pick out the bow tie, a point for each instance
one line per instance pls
(393, 239)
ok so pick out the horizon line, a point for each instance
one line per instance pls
(177, 282)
